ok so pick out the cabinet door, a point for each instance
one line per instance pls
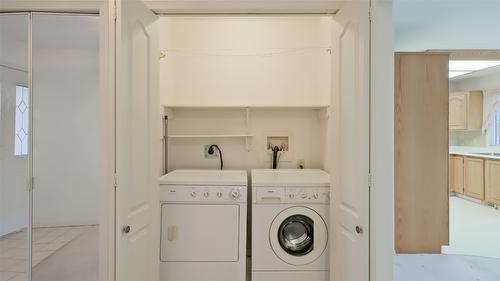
(474, 177)
(451, 175)
(492, 181)
(456, 176)
(458, 111)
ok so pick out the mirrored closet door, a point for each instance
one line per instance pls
(15, 108)
(51, 139)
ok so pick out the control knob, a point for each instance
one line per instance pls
(206, 194)
(291, 195)
(193, 194)
(234, 194)
(315, 195)
(219, 194)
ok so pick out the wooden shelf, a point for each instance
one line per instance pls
(245, 136)
(210, 136)
(307, 106)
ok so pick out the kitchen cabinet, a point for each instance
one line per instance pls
(456, 174)
(492, 181)
(474, 177)
(466, 111)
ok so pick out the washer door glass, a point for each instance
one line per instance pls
(296, 235)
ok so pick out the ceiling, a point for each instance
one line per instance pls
(446, 24)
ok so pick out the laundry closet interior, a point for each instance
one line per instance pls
(237, 80)
(247, 84)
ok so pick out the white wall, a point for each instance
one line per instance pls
(68, 120)
(382, 143)
(445, 24)
(306, 127)
(245, 60)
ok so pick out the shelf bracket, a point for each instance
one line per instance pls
(247, 127)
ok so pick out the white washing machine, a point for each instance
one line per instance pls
(290, 213)
(203, 225)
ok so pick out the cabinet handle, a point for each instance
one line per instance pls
(172, 232)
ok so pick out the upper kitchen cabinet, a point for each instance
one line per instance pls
(246, 61)
(466, 111)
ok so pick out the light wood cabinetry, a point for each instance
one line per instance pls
(456, 174)
(474, 177)
(458, 111)
(466, 110)
(421, 152)
(492, 181)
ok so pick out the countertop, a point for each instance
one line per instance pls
(487, 152)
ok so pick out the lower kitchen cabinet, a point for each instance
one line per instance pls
(474, 177)
(456, 174)
(492, 181)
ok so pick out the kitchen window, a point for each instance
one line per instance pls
(495, 128)
(22, 121)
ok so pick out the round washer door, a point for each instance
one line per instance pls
(298, 235)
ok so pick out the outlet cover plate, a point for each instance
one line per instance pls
(210, 156)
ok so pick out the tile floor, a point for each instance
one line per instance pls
(473, 253)
(46, 241)
(76, 261)
(474, 229)
(445, 268)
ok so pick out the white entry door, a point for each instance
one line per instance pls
(137, 143)
(350, 131)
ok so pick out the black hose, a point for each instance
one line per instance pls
(211, 151)
(276, 149)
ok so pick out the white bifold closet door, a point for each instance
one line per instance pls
(14, 145)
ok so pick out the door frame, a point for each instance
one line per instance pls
(381, 119)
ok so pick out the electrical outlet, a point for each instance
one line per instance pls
(300, 164)
(210, 156)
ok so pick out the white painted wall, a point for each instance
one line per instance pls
(382, 143)
(68, 120)
(445, 24)
(13, 169)
(245, 60)
(306, 127)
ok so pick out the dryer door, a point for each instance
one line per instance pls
(298, 235)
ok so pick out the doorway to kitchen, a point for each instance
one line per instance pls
(447, 216)
(474, 162)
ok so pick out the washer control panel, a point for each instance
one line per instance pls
(177, 193)
(285, 195)
(312, 195)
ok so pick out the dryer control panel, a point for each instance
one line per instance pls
(219, 194)
(288, 195)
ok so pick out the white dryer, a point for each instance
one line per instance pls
(203, 225)
(290, 213)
